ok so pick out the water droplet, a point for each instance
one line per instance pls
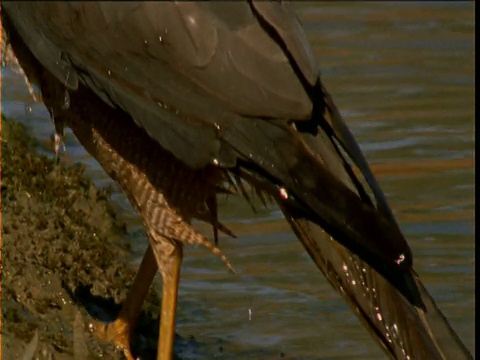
(28, 109)
(160, 39)
(400, 259)
(191, 20)
(215, 161)
(217, 126)
(284, 193)
(389, 339)
(66, 78)
(379, 317)
(354, 282)
(109, 73)
(66, 100)
(395, 330)
(145, 42)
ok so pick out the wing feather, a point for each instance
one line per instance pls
(136, 57)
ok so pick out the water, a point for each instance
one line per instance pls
(402, 75)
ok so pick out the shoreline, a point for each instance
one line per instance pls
(64, 259)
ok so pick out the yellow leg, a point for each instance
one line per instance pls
(169, 259)
(119, 331)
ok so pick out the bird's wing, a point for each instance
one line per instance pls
(211, 82)
(182, 70)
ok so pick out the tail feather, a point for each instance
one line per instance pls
(346, 226)
(403, 330)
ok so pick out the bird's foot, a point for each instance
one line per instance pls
(116, 332)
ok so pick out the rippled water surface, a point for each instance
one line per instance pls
(402, 75)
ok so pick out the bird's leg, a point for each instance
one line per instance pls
(119, 330)
(169, 255)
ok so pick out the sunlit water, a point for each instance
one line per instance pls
(402, 75)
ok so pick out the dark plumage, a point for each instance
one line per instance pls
(175, 99)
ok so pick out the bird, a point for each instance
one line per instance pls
(181, 102)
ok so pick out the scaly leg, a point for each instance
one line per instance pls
(119, 330)
(169, 259)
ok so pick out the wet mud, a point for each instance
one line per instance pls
(65, 259)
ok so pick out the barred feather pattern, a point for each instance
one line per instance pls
(165, 192)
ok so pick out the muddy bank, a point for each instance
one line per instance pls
(64, 259)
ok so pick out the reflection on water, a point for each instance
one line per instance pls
(402, 75)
